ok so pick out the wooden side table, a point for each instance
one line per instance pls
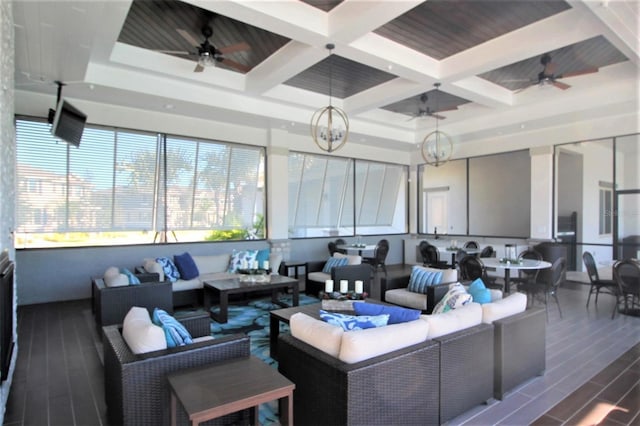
(227, 387)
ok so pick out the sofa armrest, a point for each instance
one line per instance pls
(135, 385)
(520, 349)
(315, 265)
(435, 293)
(469, 351)
(198, 324)
(329, 391)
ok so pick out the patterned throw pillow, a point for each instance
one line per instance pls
(174, 332)
(479, 292)
(455, 298)
(352, 322)
(334, 262)
(421, 278)
(170, 271)
(238, 257)
(262, 256)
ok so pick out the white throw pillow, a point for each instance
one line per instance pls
(153, 267)
(140, 334)
(510, 305)
(319, 334)
(113, 278)
(212, 263)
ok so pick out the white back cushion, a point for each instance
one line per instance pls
(352, 259)
(212, 263)
(454, 320)
(359, 345)
(319, 334)
(140, 334)
(510, 305)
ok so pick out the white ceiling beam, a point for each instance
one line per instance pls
(384, 94)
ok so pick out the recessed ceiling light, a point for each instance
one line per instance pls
(522, 126)
(293, 124)
(169, 106)
(390, 67)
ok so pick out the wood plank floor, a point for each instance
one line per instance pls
(58, 378)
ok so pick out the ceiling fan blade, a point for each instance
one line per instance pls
(173, 52)
(198, 68)
(452, 108)
(577, 73)
(238, 47)
(185, 35)
(560, 85)
(233, 64)
(439, 117)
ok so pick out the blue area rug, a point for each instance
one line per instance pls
(252, 319)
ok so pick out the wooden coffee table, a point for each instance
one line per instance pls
(223, 288)
(227, 387)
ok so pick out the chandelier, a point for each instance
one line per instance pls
(330, 125)
(437, 146)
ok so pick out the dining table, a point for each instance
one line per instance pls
(358, 248)
(494, 262)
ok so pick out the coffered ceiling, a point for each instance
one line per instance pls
(275, 70)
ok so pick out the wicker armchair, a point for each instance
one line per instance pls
(379, 391)
(111, 304)
(136, 388)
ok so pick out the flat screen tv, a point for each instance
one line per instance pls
(68, 123)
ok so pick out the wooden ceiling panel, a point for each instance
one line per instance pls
(595, 52)
(441, 28)
(437, 101)
(348, 77)
(324, 5)
(154, 25)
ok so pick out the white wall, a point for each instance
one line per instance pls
(7, 163)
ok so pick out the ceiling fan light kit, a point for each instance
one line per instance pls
(330, 124)
(437, 146)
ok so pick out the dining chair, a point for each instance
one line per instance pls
(431, 256)
(627, 275)
(487, 252)
(547, 288)
(598, 285)
(379, 256)
(527, 276)
(472, 268)
(340, 242)
(471, 245)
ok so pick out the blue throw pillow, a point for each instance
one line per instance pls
(174, 332)
(334, 262)
(169, 268)
(479, 293)
(186, 266)
(421, 278)
(352, 322)
(133, 280)
(396, 313)
(262, 256)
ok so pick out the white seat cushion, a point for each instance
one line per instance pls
(455, 320)
(510, 305)
(319, 276)
(140, 334)
(181, 285)
(212, 263)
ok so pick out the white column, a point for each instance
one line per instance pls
(541, 192)
(278, 185)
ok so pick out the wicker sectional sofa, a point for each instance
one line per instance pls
(471, 355)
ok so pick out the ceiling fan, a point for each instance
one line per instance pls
(548, 76)
(208, 54)
(425, 111)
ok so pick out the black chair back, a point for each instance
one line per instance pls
(529, 274)
(487, 252)
(423, 252)
(471, 268)
(627, 274)
(471, 245)
(332, 247)
(590, 264)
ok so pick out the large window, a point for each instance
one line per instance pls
(332, 196)
(126, 187)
